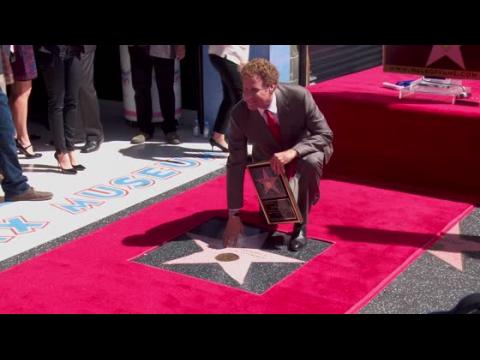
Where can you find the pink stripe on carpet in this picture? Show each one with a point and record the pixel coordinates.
(376, 234)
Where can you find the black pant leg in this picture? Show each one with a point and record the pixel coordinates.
(73, 71)
(141, 66)
(54, 76)
(164, 75)
(232, 90)
(89, 110)
(309, 173)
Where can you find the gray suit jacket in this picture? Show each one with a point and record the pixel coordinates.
(303, 128)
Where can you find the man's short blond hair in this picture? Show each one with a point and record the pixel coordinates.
(263, 69)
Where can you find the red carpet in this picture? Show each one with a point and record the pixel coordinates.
(376, 234)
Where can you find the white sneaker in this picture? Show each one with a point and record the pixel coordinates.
(206, 132)
(196, 130)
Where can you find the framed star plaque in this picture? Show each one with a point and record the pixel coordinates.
(275, 195)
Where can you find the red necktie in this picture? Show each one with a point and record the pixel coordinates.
(274, 126)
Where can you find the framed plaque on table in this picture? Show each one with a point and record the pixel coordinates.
(276, 198)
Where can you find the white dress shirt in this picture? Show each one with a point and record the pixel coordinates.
(163, 51)
(237, 54)
(272, 108)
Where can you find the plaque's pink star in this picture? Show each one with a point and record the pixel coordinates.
(451, 51)
(268, 182)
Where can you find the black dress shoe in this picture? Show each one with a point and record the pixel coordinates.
(299, 237)
(91, 146)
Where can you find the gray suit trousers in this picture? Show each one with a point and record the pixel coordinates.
(89, 111)
(305, 184)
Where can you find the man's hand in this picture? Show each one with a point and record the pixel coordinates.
(233, 229)
(279, 160)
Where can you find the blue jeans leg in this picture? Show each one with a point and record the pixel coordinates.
(14, 182)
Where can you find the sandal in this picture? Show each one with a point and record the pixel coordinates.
(24, 151)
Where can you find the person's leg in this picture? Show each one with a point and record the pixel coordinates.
(14, 182)
(218, 128)
(232, 93)
(18, 98)
(141, 66)
(310, 170)
(3, 85)
(306, 189)
(72, 87)
(55, 85)
(165, 76)
(73, 73)
(88, 110)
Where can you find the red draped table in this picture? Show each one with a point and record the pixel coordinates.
(420, 141)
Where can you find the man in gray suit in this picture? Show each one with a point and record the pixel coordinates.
(299, 148)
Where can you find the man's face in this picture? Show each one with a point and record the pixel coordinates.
(255, 95)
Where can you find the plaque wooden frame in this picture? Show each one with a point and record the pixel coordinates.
(279, 206)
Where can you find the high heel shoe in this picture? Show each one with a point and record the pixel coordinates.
(220, 146)
(71, 171)
(23, 150)
(79, 167)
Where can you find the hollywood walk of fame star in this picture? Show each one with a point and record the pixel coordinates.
(268, 182)
(451, 247)
(451, 51)
(234, 261)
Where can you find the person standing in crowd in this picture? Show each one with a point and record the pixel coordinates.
(14, 183)
(228, 61)
(88, 109)
(161, 58)
(61, 68)
(285, 127)
(24, 71)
